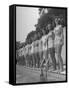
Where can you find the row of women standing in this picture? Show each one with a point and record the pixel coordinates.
(37, 53)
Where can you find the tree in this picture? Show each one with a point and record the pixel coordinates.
(30, 37)
(60, 12)
(51, 15)
(20, 45)
(17, 45)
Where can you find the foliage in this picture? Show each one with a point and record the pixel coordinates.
(43, 22)
(20, 45)
(50, 16)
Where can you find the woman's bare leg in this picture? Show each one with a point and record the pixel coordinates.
(59, 57)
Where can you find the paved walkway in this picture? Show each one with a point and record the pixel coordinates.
(31, 75)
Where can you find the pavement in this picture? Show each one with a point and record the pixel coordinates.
(32, 75)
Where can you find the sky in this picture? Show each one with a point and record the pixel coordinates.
(26, 18)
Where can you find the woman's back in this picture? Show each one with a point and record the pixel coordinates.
(58, 30)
